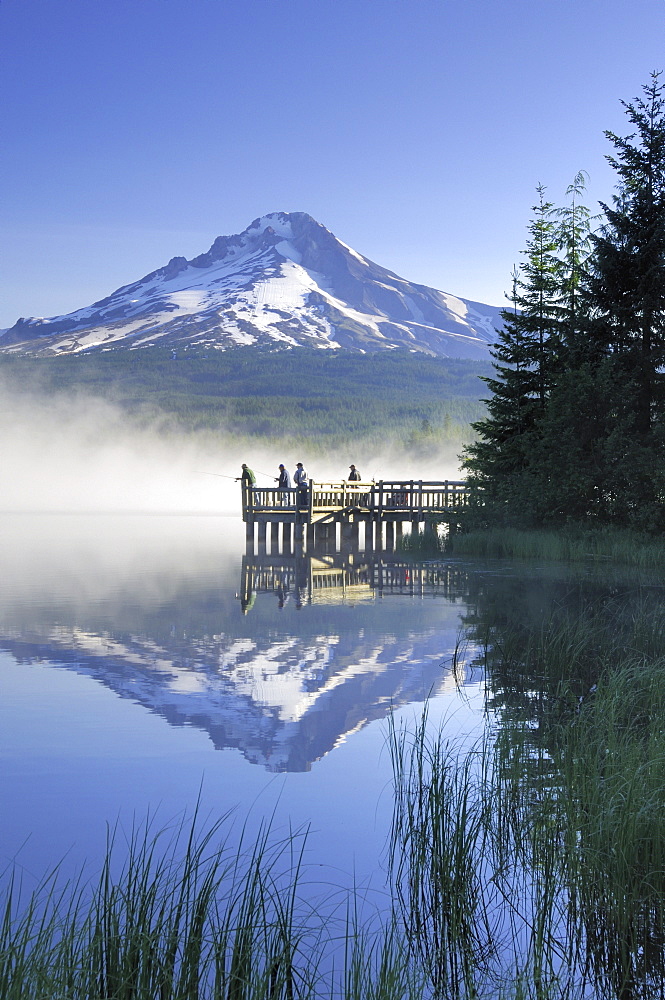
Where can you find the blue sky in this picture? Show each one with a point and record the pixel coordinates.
(416, 130)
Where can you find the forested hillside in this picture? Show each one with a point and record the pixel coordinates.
(324, 398)
(575, 430)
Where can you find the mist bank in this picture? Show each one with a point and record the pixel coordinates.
(81, 453)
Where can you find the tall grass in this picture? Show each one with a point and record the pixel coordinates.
(377, 966)
(171, 916)
(436, 857)
(477, 881)
(612, 762)
(598, 723)
(528, 865)
(182, 916)
(422, 543)
(611, 545)
(533, 864)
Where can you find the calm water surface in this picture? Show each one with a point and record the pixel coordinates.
(148, 664)
(149, 661)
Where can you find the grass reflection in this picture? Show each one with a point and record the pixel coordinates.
(533, 864)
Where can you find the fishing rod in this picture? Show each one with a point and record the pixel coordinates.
(200, 472)
(219, 475)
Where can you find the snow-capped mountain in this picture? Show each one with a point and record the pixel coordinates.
(285, 281)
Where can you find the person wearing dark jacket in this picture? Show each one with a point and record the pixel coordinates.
(354, 476)
(284, 483)
(301, 480)
(247, 478)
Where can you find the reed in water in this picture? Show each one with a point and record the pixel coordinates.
(528, 865)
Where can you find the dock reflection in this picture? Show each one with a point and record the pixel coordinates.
(346, 576)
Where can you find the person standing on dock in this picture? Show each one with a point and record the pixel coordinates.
(284, 483)
(300, 478)
(354, 476)
(247, 480)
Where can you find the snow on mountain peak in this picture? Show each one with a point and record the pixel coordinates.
(286, 279)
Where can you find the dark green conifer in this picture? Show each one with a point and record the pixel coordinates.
(576, 421)
(574, 241)
(526, 361)
(627, 277)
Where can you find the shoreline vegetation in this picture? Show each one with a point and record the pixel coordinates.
(575, 545)
(611, 545)
(529, 864)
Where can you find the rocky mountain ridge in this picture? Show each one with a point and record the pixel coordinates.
(285, 281)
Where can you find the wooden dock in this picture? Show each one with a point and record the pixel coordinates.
(326, 510)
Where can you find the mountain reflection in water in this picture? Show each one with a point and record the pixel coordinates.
(280, 657)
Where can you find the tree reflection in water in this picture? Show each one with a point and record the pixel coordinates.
(535, 861)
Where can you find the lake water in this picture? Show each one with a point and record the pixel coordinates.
(152, 668)
(149, 662)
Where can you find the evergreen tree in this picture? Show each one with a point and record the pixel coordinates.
(574, 240)
(627, 279)
(576, 420)
(526, 360)
(569, 455)
(626, 296)
(538, 315)
(501, 450)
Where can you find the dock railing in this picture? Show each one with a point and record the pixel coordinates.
(412, 498)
